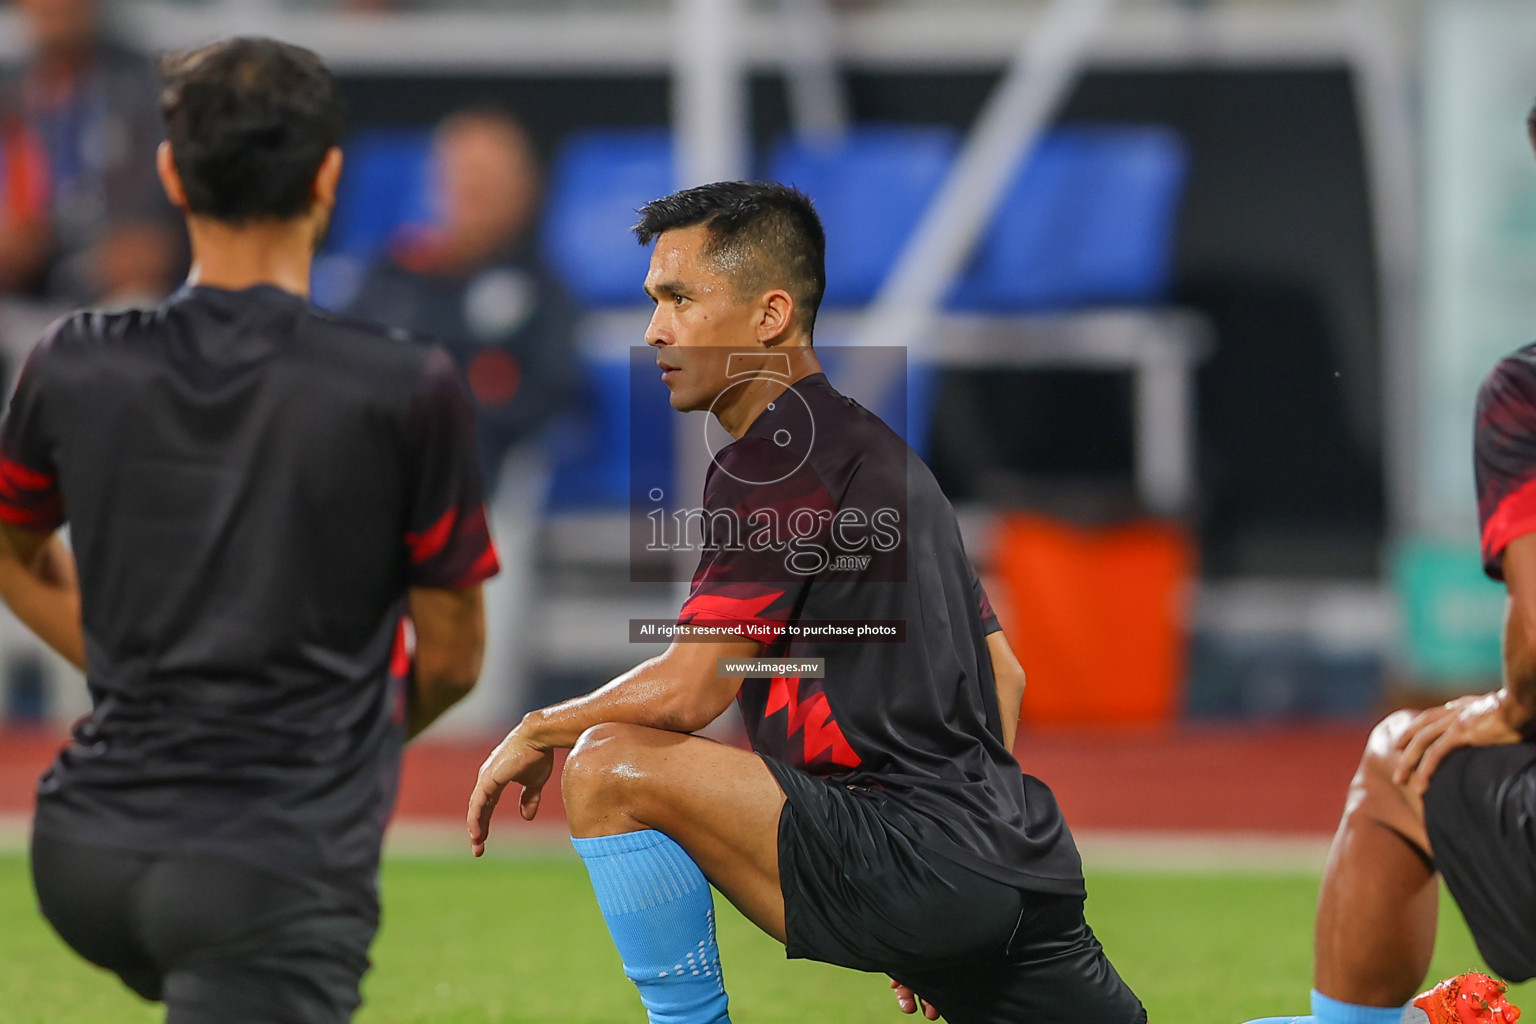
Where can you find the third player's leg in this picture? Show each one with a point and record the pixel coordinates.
(718, 803)
(1377, 911)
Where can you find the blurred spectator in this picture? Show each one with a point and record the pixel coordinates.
(82, 216)
(472, 280)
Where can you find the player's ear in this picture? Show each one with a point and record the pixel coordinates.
(776, 313)
(327, 178)
(170, 178)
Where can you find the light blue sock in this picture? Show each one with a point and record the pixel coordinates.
(661, 915)
(1331, 1011)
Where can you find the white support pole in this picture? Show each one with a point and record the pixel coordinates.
(1384, 97)
(818, 107)
(709, 92)
(1018, 111)
(1164, 411)
(710, 112)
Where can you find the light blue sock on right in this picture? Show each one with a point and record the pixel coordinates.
(1331, 1011)
(661, 915)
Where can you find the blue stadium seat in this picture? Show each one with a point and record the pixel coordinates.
(385, 184)
(1089, 220)
(626, 447)
(870, 191)
(597, 181)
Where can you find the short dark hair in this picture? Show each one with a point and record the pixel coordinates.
(249, 122)
(761, 236)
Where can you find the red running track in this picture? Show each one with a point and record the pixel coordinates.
(1196, 778)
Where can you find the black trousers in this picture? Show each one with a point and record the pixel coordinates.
(218, 942)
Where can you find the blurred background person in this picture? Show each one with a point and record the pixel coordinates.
(84, 219)
(472, 280)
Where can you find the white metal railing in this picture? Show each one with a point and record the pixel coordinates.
(631, 37)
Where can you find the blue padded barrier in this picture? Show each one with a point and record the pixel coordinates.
(383, 186)
(1089, 220)
(870, 191)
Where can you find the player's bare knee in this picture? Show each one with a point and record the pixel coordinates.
(1372, 791)
(602, 767)
(1380, 757)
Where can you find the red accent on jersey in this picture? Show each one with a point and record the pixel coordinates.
(823, 737)
(1515, 517)
(431, 541)
(400, 669)
(28, 498)
(486, 566)
(716, 609)
(16, 477)
(400, 653)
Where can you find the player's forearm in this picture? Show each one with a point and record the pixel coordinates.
(43, 593)
(1009, 677)
(428, 703)
(450, 649)
(1010, 700)
(1519, 696)
(652, 694)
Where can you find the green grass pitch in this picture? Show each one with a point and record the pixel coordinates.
(520, 940)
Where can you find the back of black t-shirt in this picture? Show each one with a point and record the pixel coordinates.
(251, 487)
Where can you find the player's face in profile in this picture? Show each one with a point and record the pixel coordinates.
(698, 319)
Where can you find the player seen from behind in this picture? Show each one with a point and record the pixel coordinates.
(257, 493)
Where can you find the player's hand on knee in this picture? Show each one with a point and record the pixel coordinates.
(909, 1001)
(515, 759)
(1481, 720)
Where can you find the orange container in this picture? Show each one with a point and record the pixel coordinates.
(1098, 617)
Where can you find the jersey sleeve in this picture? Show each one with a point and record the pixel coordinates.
(749, 581)
(1504, 445)
(448, 542)
(989, 623)
(29, 487)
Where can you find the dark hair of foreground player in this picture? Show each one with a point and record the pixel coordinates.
(763, 236)
(249, 122)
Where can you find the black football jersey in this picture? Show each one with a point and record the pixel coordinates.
(821, 521)
(1504, 443)
(251, 485)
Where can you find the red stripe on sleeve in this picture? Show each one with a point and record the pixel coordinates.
(45, 519)
(431, 541)
(29, 498)
(400, 652)
(723, 612)
(1515, 517)
(486, 566)
(14, 474)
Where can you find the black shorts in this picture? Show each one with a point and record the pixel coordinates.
(859, 894)
(218, 942)
(1480, 813)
